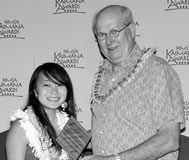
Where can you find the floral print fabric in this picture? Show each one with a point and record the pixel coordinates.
(135, 113)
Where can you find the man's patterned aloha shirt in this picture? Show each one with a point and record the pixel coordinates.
(135, 113)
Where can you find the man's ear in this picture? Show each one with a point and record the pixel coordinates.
(132, 28)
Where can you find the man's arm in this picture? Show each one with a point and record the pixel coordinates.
(165, 141)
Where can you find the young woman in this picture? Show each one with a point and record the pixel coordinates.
(34, 129)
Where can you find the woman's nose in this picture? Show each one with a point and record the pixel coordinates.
(54, 89)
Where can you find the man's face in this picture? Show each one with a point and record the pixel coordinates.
(115, 49)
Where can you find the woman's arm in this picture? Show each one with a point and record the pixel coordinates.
(16, 142)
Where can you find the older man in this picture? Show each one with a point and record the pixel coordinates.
(137, 102)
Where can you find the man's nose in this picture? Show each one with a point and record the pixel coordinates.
(109, 39)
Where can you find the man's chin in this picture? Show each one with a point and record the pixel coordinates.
(115, 61)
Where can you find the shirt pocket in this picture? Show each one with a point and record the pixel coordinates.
(133, 111)
(138, 116)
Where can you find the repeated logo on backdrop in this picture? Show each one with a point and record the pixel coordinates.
(177, 5)
(69, 58)
(69, 6)
(78, 109)
(186, 107)
(10, 87)
(178, 55)
(137, 25)
(11, 29)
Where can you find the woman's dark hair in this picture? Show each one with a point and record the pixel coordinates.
(56, 74)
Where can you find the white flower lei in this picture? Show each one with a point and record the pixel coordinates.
(97, 97)
(39, 140)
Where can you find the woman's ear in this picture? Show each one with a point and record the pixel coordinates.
(132, 28)
(35, 92)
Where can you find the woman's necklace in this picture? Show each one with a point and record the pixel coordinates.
(46, 142)
(39, 139)
(97, 97)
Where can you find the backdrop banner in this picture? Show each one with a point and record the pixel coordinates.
(34, 32)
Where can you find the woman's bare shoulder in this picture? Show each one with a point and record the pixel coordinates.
(16, 132)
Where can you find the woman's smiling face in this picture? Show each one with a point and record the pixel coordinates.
(50, 95)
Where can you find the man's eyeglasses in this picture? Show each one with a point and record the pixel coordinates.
(113, 33)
